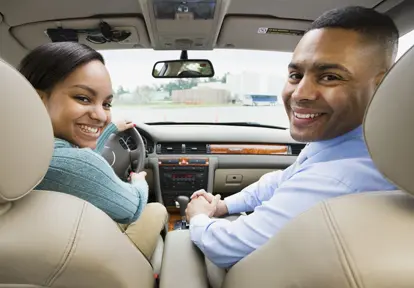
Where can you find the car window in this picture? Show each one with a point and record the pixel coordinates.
(246, 87)
(405, 42)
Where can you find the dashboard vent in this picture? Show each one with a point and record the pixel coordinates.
(297, 148)
(182, 148)
(170, 148)
(196, 148)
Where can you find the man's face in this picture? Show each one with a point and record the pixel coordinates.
(332, 76)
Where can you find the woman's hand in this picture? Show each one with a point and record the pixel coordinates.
(123, 125)
(137, 176)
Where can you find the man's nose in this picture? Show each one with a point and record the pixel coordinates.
(305, 90)
(98, 113)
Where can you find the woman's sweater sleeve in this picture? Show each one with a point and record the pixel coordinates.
(86, 175)
(108, 131)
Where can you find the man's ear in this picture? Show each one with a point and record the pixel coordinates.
(379, 78)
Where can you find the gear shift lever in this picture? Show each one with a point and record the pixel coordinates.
(182, 202)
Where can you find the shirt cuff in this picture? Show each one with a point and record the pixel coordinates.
(200, 220)
(198, 224)
(235, 203)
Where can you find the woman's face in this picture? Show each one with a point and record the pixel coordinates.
(80, 106)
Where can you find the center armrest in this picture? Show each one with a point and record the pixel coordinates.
(183, 263)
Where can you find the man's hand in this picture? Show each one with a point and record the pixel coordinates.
(221, 209)
(201, 206)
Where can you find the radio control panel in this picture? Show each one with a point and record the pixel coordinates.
(182, 176)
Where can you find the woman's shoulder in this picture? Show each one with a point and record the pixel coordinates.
(67, 152)
(60, 143)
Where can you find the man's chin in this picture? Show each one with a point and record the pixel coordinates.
(304, 135)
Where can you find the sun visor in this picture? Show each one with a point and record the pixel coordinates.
(261, 33)
(131, 32)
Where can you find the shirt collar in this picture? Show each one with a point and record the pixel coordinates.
(314, 148)
(60, 143)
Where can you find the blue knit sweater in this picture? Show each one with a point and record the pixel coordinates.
(84, 173)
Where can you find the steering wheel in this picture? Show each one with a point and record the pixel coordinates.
(120, 157)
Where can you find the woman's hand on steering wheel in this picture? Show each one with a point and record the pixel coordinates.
(137, 176)
(123, 125)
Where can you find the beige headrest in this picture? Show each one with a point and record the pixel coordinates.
(26, 140)
(389, 124)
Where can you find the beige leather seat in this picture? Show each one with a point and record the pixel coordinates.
(358, 241)
(49, 239)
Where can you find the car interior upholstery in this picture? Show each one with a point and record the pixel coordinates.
(361, 240)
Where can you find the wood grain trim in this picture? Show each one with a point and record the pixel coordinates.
(174, 217)
(249, 149)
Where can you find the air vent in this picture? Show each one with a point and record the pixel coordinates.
(170, 148)
(297, 148)
(196, 148)
(182, 148)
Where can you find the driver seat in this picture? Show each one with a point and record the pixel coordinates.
(51, 239)
(361, 240)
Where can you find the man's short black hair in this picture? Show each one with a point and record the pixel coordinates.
(372, 25)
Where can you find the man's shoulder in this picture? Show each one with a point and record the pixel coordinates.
(358, 173)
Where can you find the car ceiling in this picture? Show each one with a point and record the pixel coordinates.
(27, 11)
(24, 23)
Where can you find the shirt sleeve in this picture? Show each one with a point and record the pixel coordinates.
(254, 194)
(226, 242)
(86, 175)
(108, 131)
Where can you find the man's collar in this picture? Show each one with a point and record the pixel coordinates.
(314, 148)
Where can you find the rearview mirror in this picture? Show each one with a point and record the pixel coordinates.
(192, 68)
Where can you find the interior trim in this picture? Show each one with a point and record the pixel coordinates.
(249, 149)
(153, 164)
(229, 181)
(211, 171)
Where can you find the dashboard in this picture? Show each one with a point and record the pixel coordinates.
(181, 159)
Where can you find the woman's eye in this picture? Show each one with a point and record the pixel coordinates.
(82, 99)
(107, 105)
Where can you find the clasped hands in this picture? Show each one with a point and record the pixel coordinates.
(202, 202)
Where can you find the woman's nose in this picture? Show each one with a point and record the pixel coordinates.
(99, 113)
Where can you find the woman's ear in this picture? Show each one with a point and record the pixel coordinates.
(43, 96)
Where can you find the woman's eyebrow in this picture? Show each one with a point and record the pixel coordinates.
(84, 87)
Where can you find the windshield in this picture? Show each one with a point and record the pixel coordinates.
(246, 87)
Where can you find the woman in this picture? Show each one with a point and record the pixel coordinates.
(75, 87)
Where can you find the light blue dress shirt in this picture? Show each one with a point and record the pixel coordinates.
(323, 170)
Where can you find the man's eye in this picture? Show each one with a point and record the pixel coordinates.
(295, 76)
(330, 77)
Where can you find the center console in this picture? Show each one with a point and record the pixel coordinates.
(182, 177)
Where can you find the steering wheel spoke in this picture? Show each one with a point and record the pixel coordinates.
(120, 157)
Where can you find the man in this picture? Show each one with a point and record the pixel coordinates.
(334, 72)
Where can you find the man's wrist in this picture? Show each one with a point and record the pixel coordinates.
(221, 209)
